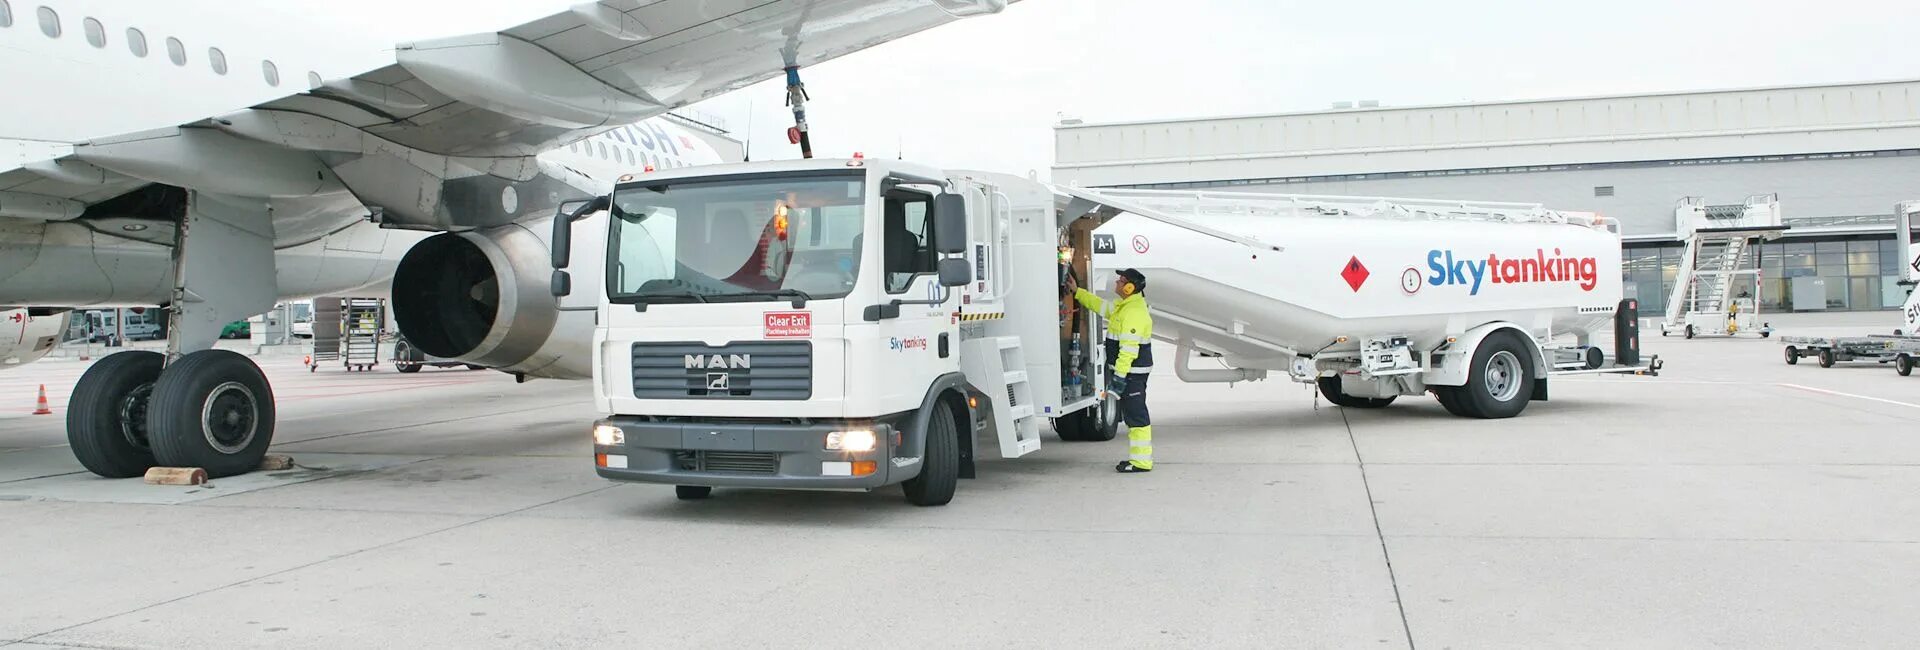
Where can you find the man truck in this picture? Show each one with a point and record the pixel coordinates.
(855, 324)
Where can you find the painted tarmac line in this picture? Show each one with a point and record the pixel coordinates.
(1840, 394)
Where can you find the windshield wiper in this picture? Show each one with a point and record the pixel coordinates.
(801, 297)
(641, 299)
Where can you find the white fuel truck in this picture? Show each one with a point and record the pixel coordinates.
(853, 324)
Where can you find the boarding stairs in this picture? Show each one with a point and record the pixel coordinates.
(1718, 259)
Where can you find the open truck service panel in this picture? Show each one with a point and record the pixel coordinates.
(853, 324)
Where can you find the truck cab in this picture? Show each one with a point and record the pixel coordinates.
(828, 324)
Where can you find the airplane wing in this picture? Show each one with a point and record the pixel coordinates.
(475, 109)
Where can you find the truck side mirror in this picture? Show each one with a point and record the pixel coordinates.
(949, 224)
(563, 218)
(955, 272)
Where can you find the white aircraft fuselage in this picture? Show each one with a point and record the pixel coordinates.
(126, 53)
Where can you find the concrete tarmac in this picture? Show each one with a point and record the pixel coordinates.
(1734, 501)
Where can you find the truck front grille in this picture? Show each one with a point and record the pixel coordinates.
(739, 462)
(743, 370)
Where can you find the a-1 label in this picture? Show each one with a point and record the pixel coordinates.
(1103, 245)
(789, 325)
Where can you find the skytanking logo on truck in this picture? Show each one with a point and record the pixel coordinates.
(1473, 272)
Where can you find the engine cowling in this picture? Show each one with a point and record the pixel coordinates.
(483, 297)
(27, 335)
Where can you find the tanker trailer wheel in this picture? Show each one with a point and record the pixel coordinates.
(1330, 387)
(1793, 355)
(1501, 379)
(1449, 398)
(1903, 364)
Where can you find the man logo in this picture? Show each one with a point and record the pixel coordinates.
(718, 362)
(719, 381)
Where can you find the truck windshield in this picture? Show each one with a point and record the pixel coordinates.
(771, 238)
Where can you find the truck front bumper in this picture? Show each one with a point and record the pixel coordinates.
(749, 455)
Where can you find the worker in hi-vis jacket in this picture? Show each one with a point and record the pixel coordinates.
(1129, 348)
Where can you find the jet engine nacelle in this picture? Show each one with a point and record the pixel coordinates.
(27, 335)
(483, 297)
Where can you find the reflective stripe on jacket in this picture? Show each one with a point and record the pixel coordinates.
(1129, 341)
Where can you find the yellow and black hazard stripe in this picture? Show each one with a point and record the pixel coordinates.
(997, 315)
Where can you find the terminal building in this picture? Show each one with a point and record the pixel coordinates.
(1836, 157)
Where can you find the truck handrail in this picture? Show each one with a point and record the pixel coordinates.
(1001, 283)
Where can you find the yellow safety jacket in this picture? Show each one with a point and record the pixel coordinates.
(1129, 341)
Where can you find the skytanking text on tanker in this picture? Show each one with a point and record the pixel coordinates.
(1540, 268)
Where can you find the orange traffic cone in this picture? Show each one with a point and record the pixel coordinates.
(41, 408)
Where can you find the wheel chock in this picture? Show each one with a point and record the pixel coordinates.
(176, 476)
(276, 462)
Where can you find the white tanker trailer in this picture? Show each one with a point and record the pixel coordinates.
(851, 324)
(1373, 298)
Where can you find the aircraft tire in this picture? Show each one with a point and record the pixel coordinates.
(212, 409)
(106, 416)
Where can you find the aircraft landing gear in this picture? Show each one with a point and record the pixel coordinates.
(195, 406)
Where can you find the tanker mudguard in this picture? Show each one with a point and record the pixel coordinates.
(915, 425)
(1457, 357)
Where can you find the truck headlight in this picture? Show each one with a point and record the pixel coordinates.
(609, 435)
(856, 440)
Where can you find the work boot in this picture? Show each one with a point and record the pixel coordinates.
(1127, 467)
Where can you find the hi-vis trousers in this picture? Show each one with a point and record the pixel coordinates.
(1133, 411)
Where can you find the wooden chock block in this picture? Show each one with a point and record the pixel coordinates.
(276, 462)
(176, 476)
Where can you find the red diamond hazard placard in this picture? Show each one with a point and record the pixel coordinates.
(1355, 274)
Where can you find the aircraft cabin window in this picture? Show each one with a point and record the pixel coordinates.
(176, 51)
(602, 146)
(271, 73)
(6, 14)
(96, 33)
(137, 42)
(218, 59)
(49, 22)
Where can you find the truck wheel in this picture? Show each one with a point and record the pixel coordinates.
(1689, 331)
(107, 415)
(940, 467)
(1595, 358)
(1092, 424)
(1330, 387)
(1500, 381)
(1826, 358)
(1793, 355)
(692, 492)
(212, 409)
(1903, 364)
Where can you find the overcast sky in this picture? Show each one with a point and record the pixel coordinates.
(984, 93)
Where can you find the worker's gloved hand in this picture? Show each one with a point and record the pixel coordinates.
(1118, 386)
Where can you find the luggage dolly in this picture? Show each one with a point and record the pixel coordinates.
(1899, 350)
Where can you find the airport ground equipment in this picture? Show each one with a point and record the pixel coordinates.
(409, 358)
(1901, 349)
(360, 332)
(326, 332)
(347, 330)
(853, 324)
(1716, 292)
